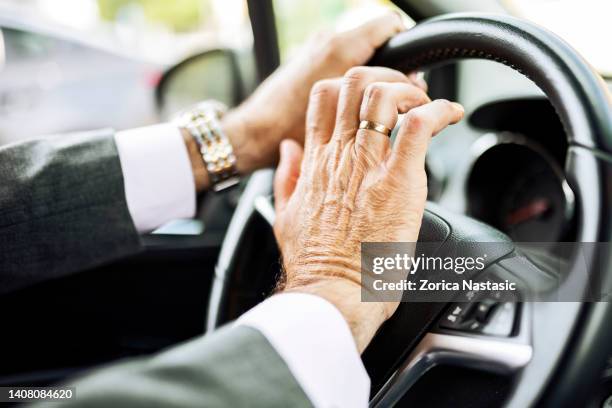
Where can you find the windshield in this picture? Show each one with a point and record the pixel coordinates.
(585, 24)
(157, 31)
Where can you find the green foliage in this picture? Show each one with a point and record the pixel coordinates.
(179, 15)
(296, 20)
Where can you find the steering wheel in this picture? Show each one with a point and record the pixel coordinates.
(554, 351)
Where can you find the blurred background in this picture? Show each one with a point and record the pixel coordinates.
(82, 64)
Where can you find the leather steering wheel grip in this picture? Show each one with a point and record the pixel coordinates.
(577, 92)
(584, 106)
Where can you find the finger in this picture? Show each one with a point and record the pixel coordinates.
(419, 125)
(354, 83)
(382, 102)
(417, 79)
(378, 30)
(321, 114)
(287, 173)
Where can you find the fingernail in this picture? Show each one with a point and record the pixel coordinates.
(421, 80)
(458, 106)
(418, 79)
(284, 148)
(400, 18)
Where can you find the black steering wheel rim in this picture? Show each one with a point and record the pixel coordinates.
(583, 105)
(576, 91)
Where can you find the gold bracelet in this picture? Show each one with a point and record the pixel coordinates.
(203, 124)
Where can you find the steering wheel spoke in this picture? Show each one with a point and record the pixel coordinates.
(488, 331)
(264, 205)
(458, 349)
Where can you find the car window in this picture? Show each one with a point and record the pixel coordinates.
(175, 29)
(84, 64)
(584, 24)
(296, 21)
(156, 31)
(19, 45)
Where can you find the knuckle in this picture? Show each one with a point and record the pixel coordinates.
(422, 96)
(333, 42)
(374, 92)
(355, 76)
(445, 104)
(322, 89)
(313, 127)
(330, 45)
(416, 120)
(417, 98)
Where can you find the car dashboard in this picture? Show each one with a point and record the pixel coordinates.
(504, 163)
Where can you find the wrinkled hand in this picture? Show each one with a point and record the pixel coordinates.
(277, 108)
(353, 187)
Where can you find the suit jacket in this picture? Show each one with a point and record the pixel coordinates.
(63, 210)
(233, 367)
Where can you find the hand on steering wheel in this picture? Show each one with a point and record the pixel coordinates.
(353, 187)
(554, 350)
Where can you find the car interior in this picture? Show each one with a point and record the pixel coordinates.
(531, 163)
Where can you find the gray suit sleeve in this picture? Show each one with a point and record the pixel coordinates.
(62, 208)
(233, 367)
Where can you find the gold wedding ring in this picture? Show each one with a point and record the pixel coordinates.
(377, 127)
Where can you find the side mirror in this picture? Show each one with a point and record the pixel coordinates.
(213, 74)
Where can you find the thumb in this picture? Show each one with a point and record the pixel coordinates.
(287, 172)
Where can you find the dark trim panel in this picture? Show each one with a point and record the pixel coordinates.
(265, 37)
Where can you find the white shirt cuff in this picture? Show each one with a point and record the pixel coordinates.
(315, 341)
(158, 179)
